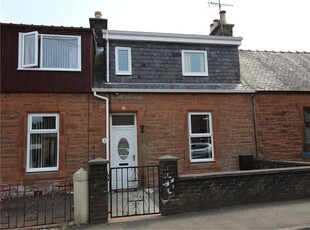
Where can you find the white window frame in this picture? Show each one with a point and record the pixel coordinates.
(187, 73)
(42, 131)
(121, 72)
(212, 159)
(38, 54)
(22, 48)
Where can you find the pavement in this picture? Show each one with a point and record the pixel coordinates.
(288, 215)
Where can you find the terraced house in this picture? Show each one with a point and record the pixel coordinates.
(69, 95)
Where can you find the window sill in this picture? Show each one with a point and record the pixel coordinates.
(49, 70)
(123, 74)
(202, 162)
(195, 75)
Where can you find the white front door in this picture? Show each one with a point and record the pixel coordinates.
(123, 151)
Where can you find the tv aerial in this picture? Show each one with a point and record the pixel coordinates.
(219, 4)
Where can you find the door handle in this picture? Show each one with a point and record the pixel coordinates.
(134, 157)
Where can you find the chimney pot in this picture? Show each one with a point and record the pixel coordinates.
(98, 14)
(223, 17)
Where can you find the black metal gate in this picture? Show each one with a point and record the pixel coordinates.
(134, 191)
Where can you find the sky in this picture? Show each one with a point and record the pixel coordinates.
(273, 25)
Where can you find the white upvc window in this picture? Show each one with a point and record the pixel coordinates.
(194, 63)
(49, 52)
(43, 142)
(122, 61)
(200, 137)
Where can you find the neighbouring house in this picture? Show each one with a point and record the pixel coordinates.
(132, 97)
(281, 81)
(46, 102)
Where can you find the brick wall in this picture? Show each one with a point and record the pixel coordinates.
(165, 120)
(280, 125)
(98, 191)
(82, 125)
(212, 190)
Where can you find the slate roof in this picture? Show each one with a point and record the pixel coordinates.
(275, 71)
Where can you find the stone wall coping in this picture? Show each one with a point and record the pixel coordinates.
(168, 158)
(98, 161)
(302, 163)
(246, 173)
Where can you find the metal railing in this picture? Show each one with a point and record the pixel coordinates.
(36, 204)
(134, 191)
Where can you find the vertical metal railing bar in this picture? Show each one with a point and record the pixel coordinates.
(127, 193)
(9, 209)
(148, 190)
(16, 202)
(53, 205)
(111, 192)
(116, 192)
(158, 178)
(142, 186)
(25, 188)
(70, 208)
(65, 200)
(45, 206)
(37, 196)
(122, 191)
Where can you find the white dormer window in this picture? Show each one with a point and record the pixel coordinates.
(194, 63)
(49, 52)
(122, 61)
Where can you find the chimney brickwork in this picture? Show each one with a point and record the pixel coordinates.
(220, 27)
(98, 24)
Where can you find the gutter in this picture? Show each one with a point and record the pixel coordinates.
(170, 37)
(145, 90)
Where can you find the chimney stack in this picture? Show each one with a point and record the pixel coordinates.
(220, 27)
(98, 24)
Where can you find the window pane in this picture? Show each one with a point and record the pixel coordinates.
(43, 150)
(200, 123)
(123, 120)
(307, 135)
(194, 62)
(201, 147)
(60, 52)
(39, 122)
(123, 60)
(29, 49)
(307, 115)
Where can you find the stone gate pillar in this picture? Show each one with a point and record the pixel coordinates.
(168, 182)
(98, 191)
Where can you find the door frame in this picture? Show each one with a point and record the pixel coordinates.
(135, 135)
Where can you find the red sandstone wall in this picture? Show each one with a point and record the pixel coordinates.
(76, 144)
(280, 125)
(164, 116)
(82, 126)
(165, 120)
